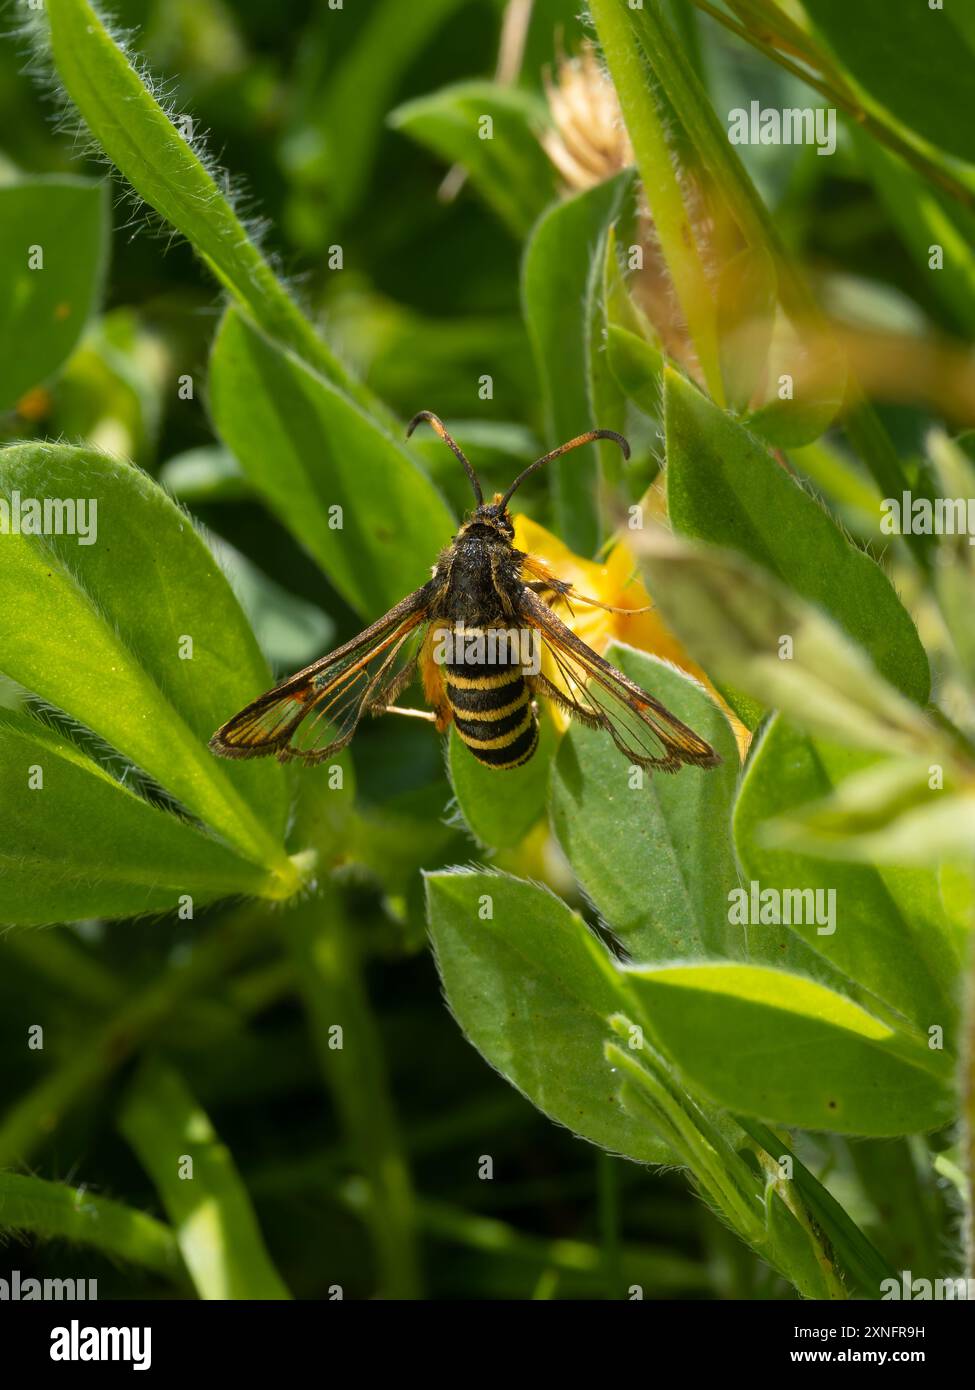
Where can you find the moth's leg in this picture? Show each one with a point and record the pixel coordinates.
(411, 713)
(546, 583)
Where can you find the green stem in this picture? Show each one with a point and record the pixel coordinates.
(645, 124)
(36, 1116)
(30, 1205)
(860, 1258)
(197, 1180)
(846, 101)
(693, 108)
(657, 1271)
(72, 970)
(351, 1056)
(728, 1182)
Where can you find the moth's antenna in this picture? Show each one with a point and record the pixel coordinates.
(441, 429)
(564, 449)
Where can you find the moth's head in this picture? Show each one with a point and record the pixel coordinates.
(494, 517)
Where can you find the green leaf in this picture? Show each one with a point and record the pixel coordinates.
(751, 634)
(655, 859)
(891, 934)
(605, 292)
(561, 290)
(798, 1253)
(98, 624)
(148, 147)
(888, 813)
(53, 1210)
(499, 808)
(910, 58)
(532, 989)
(649, 122)
(309, 450)
(81, 845)
(638, 368)
(924, 835)
(854, 498)
(746, 313)
(790, 424)
(413, 358)
(208, 1205)
(509, 167)
(723, 487)
(790, 1051)
(44, 309)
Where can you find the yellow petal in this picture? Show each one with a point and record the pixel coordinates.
(616, 582)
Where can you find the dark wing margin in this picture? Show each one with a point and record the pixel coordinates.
(314, 713)
(643, 729)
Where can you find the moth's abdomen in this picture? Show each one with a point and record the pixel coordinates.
(492, 709)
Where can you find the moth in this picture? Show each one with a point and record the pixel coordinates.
(488, 644)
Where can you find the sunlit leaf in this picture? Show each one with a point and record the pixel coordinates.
(790, 1051)
(129, 627)
(724, 487)
(653, 852)
(533, 989)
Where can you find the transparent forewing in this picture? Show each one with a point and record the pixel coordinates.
(315, 712)
(366, 686)
(594, 691)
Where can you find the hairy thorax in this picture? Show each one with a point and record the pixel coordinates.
(478, 579)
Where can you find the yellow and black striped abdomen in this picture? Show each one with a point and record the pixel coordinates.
(492, 709)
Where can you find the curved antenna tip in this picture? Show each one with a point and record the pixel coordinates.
(617, 438)
(588, 438)
(441, 429)
(418, 419)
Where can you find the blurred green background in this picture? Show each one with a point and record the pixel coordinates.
(295, 100)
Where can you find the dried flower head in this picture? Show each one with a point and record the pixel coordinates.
(589, 142)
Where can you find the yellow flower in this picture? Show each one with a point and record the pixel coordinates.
(615, 582)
